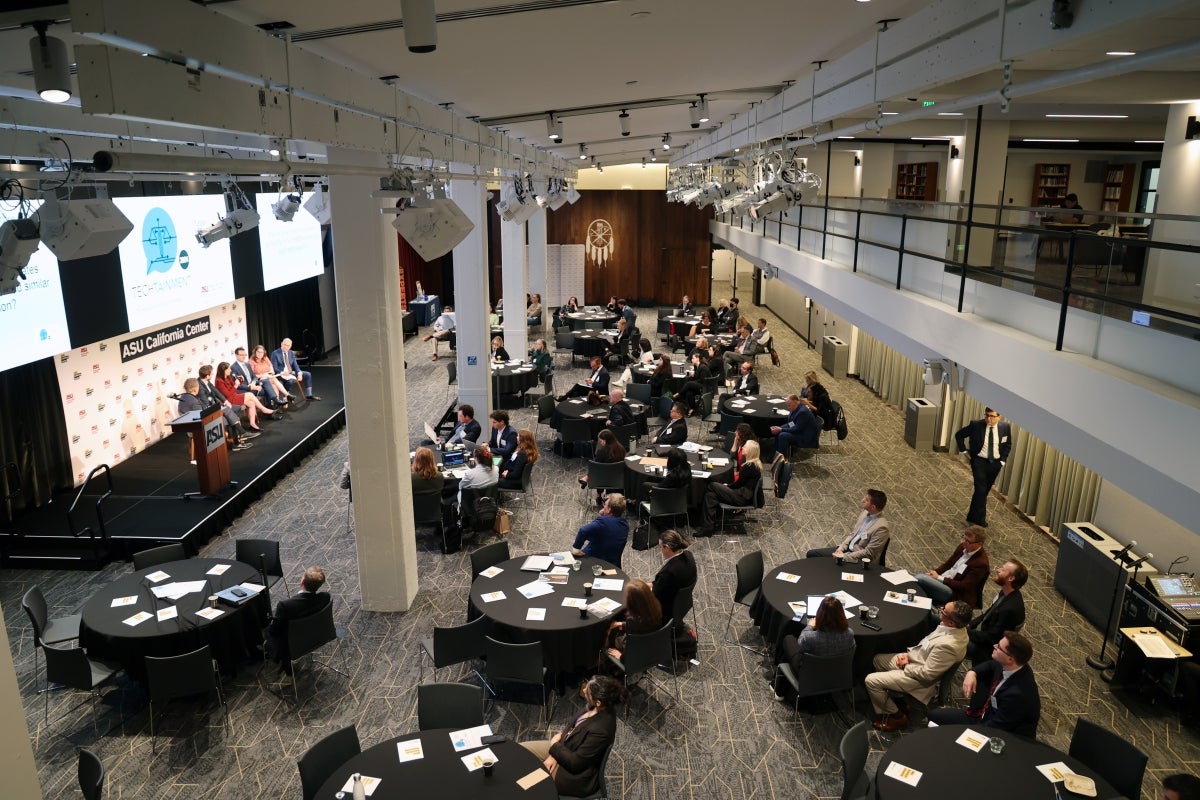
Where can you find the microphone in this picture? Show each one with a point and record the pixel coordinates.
(1119, 555)
(1141, 560)
(262, 568)
(173, 396)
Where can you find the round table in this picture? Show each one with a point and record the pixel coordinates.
(761, 412)
(440, 772)
(578, 408)
(950, 769)
(578, 319)
(679, 376)
(902, 626)
(513, 377)
(569, 644)
(682, 325)
(233, 636)
(590, 343)
(636, 472)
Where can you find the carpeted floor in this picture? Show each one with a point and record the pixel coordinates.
(724, 738)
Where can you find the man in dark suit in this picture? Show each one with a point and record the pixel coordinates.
(674, 432)
(287, 369)
(685, 306)
(1006, 613)
(746, 382)
(619, 412)
(307, 601)
(986, 442)
(605, 536)
(1003, 691)
(503, 440)
(596, 382)
(209, 396)
(190, 399)
(677, 572)
(468, 429)
(801, 428)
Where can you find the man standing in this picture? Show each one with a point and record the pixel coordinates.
(1006, 613)
(619, 412)
(287, 369)
(800, 430)
(503, 440)
(468, 429)
(746, 383)
(917, 671)
(1003, 693)
(596, 382)
(606, 535)
(307, 601)
(674, 432)
(241, 369)
(868, 537)
(962, 575)
(986, 442)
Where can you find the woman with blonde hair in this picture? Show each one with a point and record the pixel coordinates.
(741, 491)
(521, 459)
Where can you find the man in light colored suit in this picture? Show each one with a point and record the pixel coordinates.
(869, 535)
(917, 671)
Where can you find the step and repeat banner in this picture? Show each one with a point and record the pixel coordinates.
(115, 392)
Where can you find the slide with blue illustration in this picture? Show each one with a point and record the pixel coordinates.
(33, 320)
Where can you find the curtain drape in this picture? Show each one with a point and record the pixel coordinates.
(33, 433)
(886, 372)
(292, 311)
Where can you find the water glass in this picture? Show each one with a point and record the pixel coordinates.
(596, 570)
(996, 744)
(576, 565)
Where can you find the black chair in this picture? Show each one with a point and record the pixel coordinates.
(883, 559)
(324, 758)
(159, 555)
(181, 676)
(449, 705)
(545, 407)
(639, 392)
(604, 476)
(601, 792)
(626, 434)
(1114, 759)
(71, 667)
(643, 652)
(856, 781)
(576, 432)
(263, 555)
(308, 634)
(749, 580)
(451, 374)
(564, 342)
(666, 503)
(820, 675)
(471, 520)
(427, 510)
(684, 602)
(455, 645)
(758, 502)
(516, 663)
(49, 631)
(91, 775)
(487, 556)
(526, 490)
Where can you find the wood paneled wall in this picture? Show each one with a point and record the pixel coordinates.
(661, 250)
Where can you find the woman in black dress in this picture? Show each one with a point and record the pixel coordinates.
(526, 455)
(740, 491)
(689, 395)
(662, 373)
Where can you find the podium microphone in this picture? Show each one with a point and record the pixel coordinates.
(1120, 555)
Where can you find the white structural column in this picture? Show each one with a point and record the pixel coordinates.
(16, 749)
(512, 279)
(368, 295)
(535, 230)
(471, 298)
(988, 178)
(1172, 280)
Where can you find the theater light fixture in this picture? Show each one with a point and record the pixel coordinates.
(240, 219)
(582, 151)
(432, 225)
(75, 229)
(623, 118)
(420, 25)
(317, 205)
(51, 66)
(554, 125)
(666, 141)
(286, 207)
(704, 117)
(517, 203)
(18, 241)
(694, 113)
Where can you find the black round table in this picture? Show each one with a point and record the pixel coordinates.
(569, 643)
(440, 772)
(679, 375)
(513, 378)
(234, 636)
(578, 319)
(902, 626)
(757, 410)
(577, 408)
(676, 324)
(590, 343)
(950, 769)
(636, 473)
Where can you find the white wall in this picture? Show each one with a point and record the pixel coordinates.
(1127, 519)
(624, 176)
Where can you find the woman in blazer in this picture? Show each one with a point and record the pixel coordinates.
(227, 385)
(574, 756)
(525, 455)
(425, 476)
(741, 491)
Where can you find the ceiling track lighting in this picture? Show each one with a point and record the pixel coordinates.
(599, 168)
(623, 118)
(420, 25)
(653, 155)
(582, 151)
(51, 65)
(666, 141)
(554, 126)
(694, 114)
(704, 116)
(643, 162)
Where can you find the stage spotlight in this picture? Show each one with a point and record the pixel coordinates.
(582, 151)
(666, 141)
(234, 223)
(420, 25)
(694, 113)
(51, 66)
(18, 240)
(81, 228)
(516, 203)
(554, 126)
(623, 117)
(433, 227)
(704, 117)
(286, 207)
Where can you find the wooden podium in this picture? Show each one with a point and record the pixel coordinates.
(208, 438)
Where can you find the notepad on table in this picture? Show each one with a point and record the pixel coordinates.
(474, 761)
(575, 602)
(219, 569)
(535, 589)
(170, 612)
(898, 576)
(491, 597)
(799, 608)
(469, 738)
(138, 618)
(209, 613)
(1055, 772)
(123, 601)
(789, 577)
(369, 785)
(155, 577)
(903, 774)
(533, 778)
(537, 563)
(604, 607)
(853, 577)
(972, 740)
(608, 584)
(410, 750)
(535, 615)
(491, 572)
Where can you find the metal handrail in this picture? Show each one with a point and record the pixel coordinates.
(99, 502)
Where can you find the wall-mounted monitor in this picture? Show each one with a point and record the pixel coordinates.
(166, 273)
(33, 321)
(291, 251)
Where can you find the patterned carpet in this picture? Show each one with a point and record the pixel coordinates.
(724, 738)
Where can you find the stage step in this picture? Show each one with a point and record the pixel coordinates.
(51, 552)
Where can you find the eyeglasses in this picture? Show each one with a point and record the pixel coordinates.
(997, 646)
(992, 416)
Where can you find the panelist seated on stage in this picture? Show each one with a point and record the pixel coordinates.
(210, 396)
(605, 536)
(309, 600)
(1003, 692)
(260, 365)
(1006, 611)
(867, 538)
(287, 369)
(249, 383)
(674, 432)
(596, 381)
(227, 384)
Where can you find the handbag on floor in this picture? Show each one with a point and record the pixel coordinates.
(503, 523)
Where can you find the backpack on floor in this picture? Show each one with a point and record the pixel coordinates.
(775, 360)
(641, 537)
(783, 479)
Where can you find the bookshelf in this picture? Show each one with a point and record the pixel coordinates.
(917, 181)
(1050, 184)
(1118, 188)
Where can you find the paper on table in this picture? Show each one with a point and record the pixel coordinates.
(633, 458)
(789, 577)
(575, 602)
(900, 598)
(174, 591)
(369, 785)
(410, 750)
(783, 412)
(475, 760)
(777, 400)
(535, 589)
(1153, 646)
(972, 740)
(535, 615)
(469, 738)
(904, 774)
(559, 571)
(170, 612)
(848, 600)
(491, 597)
(209, 613)
(138, 618)
(564, 558)
(853, 577)
(898, 576)
(701, 473)
(555, 578)
(690, 447)
(533, 778)
(537, 563)
(799, 608)
(253, 588)
(123, 601)
(155, 577)
(219, 569)
(604, 607)
(718, 462)
(575, 402)
(491, 572)
(608, 584)
(1055, 772)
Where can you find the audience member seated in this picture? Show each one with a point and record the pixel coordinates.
(543, 361)
(679, 474)
(674, 432)
(468, 431)
(962, 575)
(742, 434)
(246, 382)
(493, 317)
(264, 371)
(498, 353)
(503, 439)
(287, 369)
(561, 320)
(689, 394)
(827, 634)
(613, 306)
(642, 613)
(608, 451)
(574, 756)
(620, 413)
(1006, 612)
(706, 325)
(722, 312)
(817, 398)
(526, 455)
(309, 600)
(480, 476)
(677, 572)
(533, 313)
(917, 671)
(426, 479)
(741, 489)
(732, 316)
(663, 372)
(802, 429)
(443, 326)
(868, 537)
(605, 536)
(628, 314)
(210, 396)
(645, 356)
(743, 350)
(597, 381)
(227, 385)
(746, 383)
(615, 342)
(1003, 692)
(685, 307)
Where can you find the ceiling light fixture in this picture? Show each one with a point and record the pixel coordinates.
(420, 25)
(643, 162)
(666, 141)
(599, 168)
(694, 113)
(582, 150)
(623, 118)
(554, 127)
(950, 113)
(653, 155)
(1148, 141)
(51, 66)
(1120, 53)
(704, 117)
(1062, 141)
(1087, 116)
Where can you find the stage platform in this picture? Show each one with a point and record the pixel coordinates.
(147, 507)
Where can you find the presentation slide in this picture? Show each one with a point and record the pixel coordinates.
(291, 251)
(33, 321)
(167, 274)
